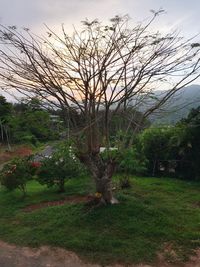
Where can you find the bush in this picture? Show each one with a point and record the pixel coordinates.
(162, 148)
(62, 165)
(16, 174)
(132, 162)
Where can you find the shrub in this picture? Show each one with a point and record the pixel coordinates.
(132, 162)
(162, 146)
(62, 165)
(16, 174)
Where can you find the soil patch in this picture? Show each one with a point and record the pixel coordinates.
(21, 151)
(15, 256)
(69, 199)
(169, 258)
(196, 204)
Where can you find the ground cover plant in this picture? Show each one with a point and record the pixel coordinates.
(153, 214)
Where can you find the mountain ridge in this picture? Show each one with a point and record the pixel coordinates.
(178, 106)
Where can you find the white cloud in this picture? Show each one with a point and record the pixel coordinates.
(180, 13)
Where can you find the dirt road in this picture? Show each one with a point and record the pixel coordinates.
(14, 256)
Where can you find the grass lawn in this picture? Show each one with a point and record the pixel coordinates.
(154, 214)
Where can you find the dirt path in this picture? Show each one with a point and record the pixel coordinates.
(13, 256)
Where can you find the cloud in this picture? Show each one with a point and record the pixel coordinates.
(180, 13)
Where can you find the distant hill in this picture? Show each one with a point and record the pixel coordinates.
(178, 106)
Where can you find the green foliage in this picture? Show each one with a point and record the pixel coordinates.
(132, 161)
(34, 104)
(61, 166)
(27, 122)
(160, 145)
(174, 151)
(27, 138)
(32, 126)
(5, 109)
(154, 142)
(128, 161)
(190, 145)
(5, 113)
(111, 154)
(16, 174)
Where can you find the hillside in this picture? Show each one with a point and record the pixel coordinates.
(179, 106)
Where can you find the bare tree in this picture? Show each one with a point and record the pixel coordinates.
(101, 68)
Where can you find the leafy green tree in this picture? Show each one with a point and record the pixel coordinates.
(132, 162)
(190, 145)
(32, 126)
(16, 174)
(5, 113)
(34, 104)
(5, 109)
(177, 146)
(60, 167)
(155, 144)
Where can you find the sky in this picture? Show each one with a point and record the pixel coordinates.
(181, 14)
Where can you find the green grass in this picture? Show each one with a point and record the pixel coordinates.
(152, 214)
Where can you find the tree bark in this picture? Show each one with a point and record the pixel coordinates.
(62, 186)
(102, 173)
(104, 188)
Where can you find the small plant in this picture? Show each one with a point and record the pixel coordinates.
(125, 182)
(16, 174)
(61, 166)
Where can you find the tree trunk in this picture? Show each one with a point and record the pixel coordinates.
(102, 173)
(154, 167)
(23, 189)
(61, 186)
(104, 189)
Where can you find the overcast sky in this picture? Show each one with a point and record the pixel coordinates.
(181, 14)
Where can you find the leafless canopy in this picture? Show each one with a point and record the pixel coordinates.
(103, 67)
